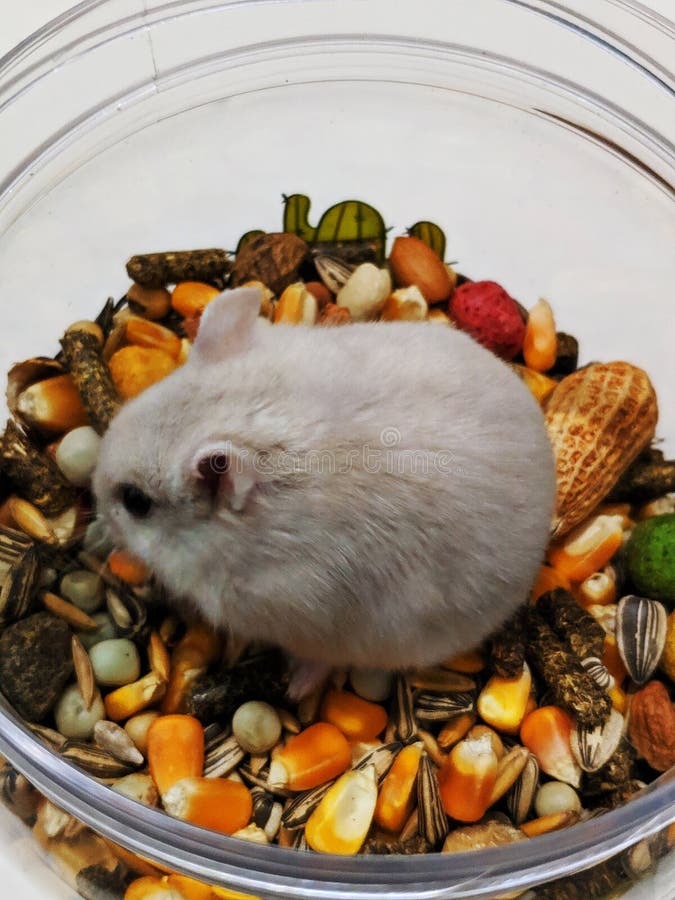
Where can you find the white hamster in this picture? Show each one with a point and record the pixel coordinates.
(374, 495)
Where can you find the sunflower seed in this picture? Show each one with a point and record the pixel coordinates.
(520, 798)
(640, 635)
(598, 672)
(19, 573)
(128, 612)
(300, 808)
(403, 716)
(54, 739)
(432, 747)
(593, 747)
(288, 721)
(510, 768)
(113, 738)
(261, 781)
(94, 760)
(222, 756)
(433, 707)
(433, 822)
(381, 758)
(333, 272)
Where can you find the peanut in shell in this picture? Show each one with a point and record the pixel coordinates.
(598, 420)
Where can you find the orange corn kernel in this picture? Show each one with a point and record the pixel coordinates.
(357, 719)
(135, 368)
(128, 568)
(397, 794)
(552, 822)
(149, 334)
(316, 755)
(540, 386)
(468, 663)
(546, 733)
(467, 779)
(454, 730)
(130, 699)
(548, 579)
(175, 750)
(296, 306)
(617, 509)
(216, 803)
(52, 405)
(611, 660)
(342, 820)
(588, 547)
(599, 588)
(503, 701)
(194, 653)
(189, 887)
(619, 699)
(152, 888)
(190, 298)
(540, 344)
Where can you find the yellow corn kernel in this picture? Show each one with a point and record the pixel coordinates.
(130, 699)
(316, 755)
(611, 660)
(149, 334)
(158, 657)
(619, 699)
(296, 306)
(439, 317)
(454, 730)
(194, 653)
(479, 731)
(548, 579)
(540, 386)
(468, 778)
(468, 663)
(189, 887)
(397, 793)
(503, 701)
(599, 588)
(52, 405)
(357, 719)
(406, 304)
(342, 820)
(552, 822)
(175, 750)
(135, 368)
(216, 803)
(128, 568)
(546, 733)
(540, 344)
(151, 888)
(588, 547)
(190, 298)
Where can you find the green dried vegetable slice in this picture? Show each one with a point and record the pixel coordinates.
(350, 220)
(249, 236)
(431, 234)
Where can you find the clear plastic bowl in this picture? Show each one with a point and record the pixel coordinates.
(540, 136)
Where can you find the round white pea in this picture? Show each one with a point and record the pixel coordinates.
(256, 726)
(77, 453)
(115, 662)
(72, 719)
(105, 630)
(84, 589)
(371, 684)
(556, 797)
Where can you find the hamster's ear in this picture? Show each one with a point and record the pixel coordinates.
(227, 473)
(227, 324)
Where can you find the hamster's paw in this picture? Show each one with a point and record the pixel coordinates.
(306, 676)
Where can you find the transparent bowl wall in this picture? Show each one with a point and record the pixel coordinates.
(540, 137)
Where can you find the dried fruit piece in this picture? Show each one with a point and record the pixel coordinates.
(490, 315)
(274, 259)
(432, 235)
(413, 262)
(651, 726)
(598, 421)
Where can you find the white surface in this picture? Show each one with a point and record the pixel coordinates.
(22, 872)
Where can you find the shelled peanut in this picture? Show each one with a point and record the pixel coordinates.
(533, 724)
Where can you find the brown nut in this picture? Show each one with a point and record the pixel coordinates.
(651, 726)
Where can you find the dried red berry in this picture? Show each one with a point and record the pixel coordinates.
(490, 315)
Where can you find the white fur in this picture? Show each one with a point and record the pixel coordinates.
(356, 567)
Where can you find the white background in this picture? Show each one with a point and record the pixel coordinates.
(22, 874)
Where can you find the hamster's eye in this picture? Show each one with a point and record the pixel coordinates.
(135, 501)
